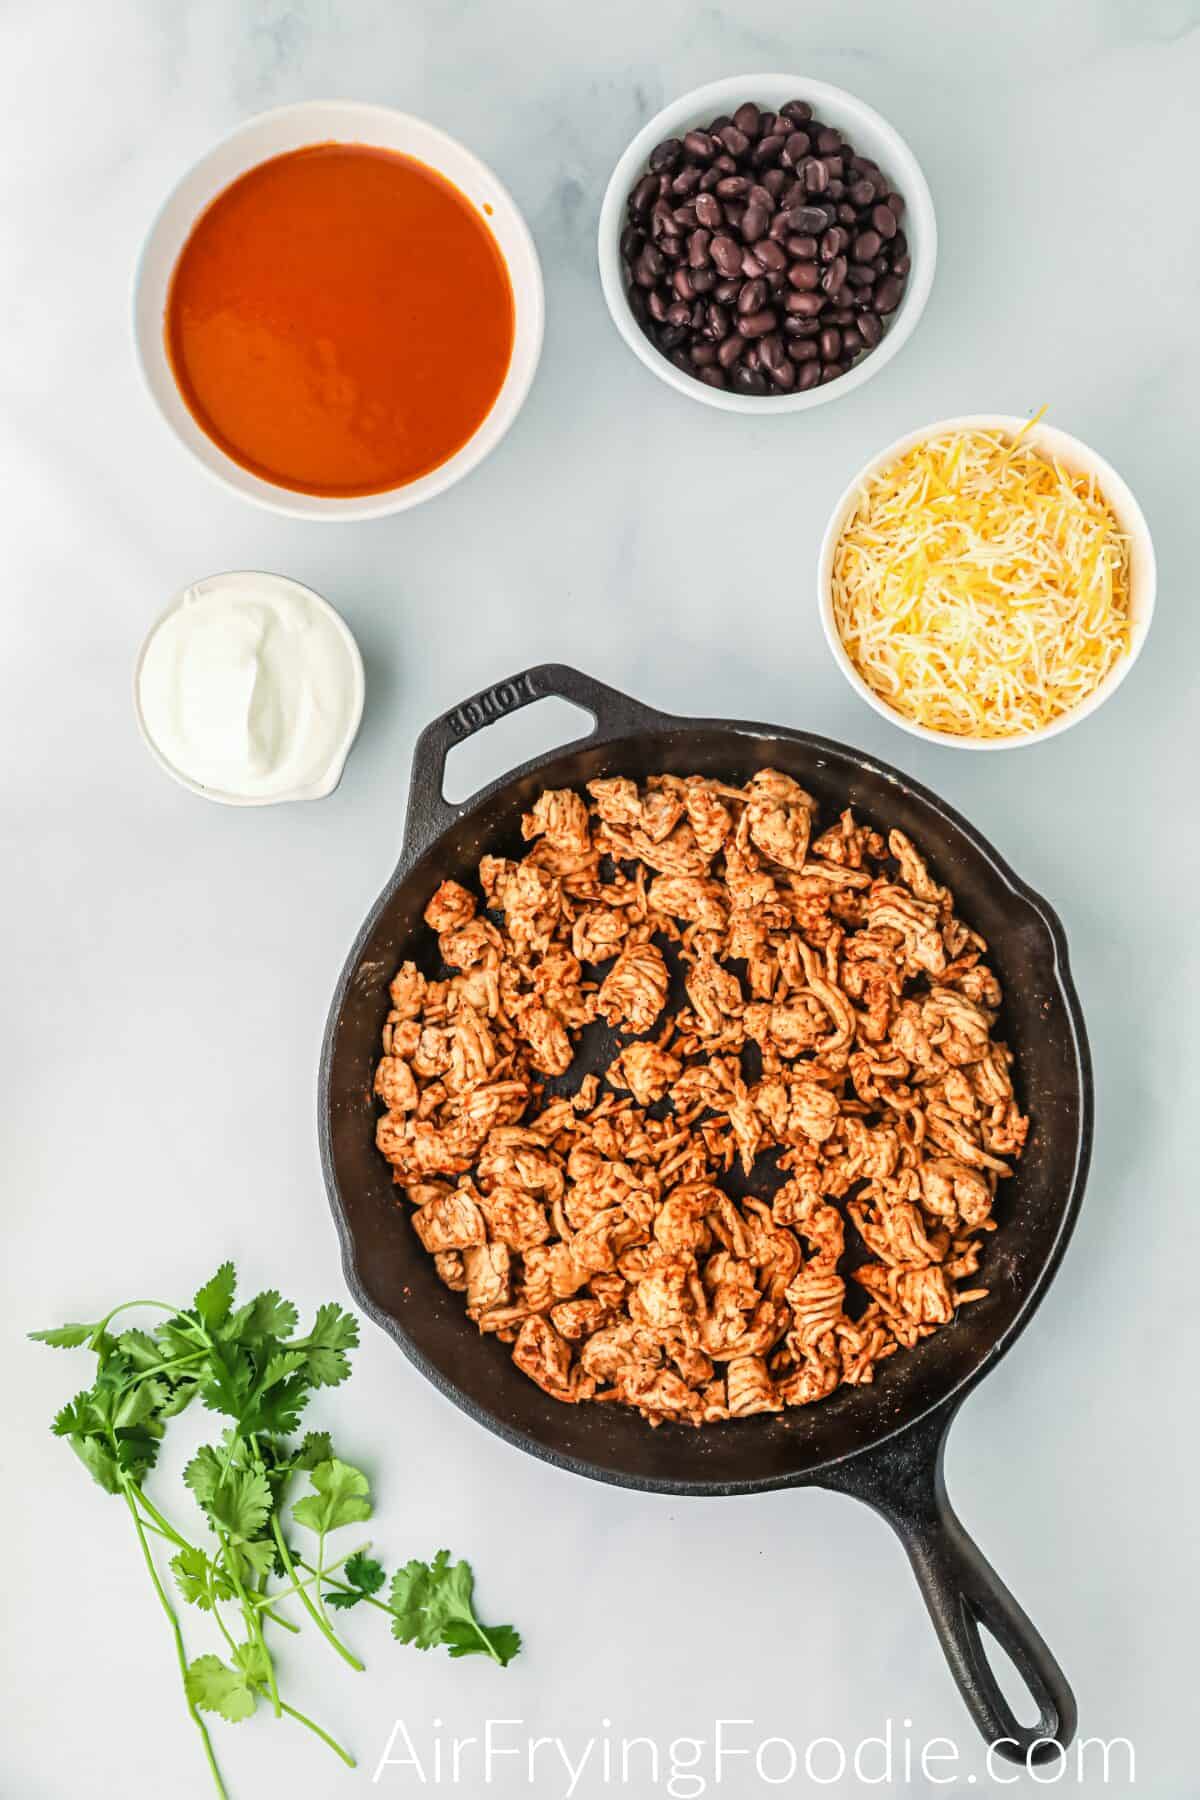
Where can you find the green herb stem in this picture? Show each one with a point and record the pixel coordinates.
(180, 1653)
(326, 1631)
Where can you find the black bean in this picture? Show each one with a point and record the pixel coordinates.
(795, 149)
(709, 179)
(830, 344)
(757, 324)
(709, 211)
(716, 321)
(807, 305)
(833, 243)
(679, 313)
(834, 277)
(703, 280)
(846, 215)
(719, 124)
(753, 297)
(734, 213)
(901, 265)
(649, 266)
(666, 155)
(643, 196)
(808, 375)
(631, 242)
(867, 245)
(771, 353)
(698, 315)
(730, 350)
(687, 182)
(836, 167)
(766, 153)
(895, 204)
(807, 219)
(736, 142)
(838, 315)
(656, 306)
(671, 336)
(799, 110)
(699, 145)
(773, 181)
(884, 221)
(727, 254)
(755, 220)
(681, 281)
(770, 255)
(778, 229)
(698, 248)
(887, 294)
(752, 268)
(784, 376)
(898, 246)
(749, 381)
(727, 291)
(733, 187)
(852, 341)
(713, 378)
(816, 176)
(862, 193)
(802, 350)
(804, 276)
(685, 216)
(803, 247)
(748, 119)
(870, 329)
(703, 355)
(830, 371)
(796, 327)
(860, 274)
(724, 164)
(768, 122)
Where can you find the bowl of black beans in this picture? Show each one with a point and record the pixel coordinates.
(767, 243)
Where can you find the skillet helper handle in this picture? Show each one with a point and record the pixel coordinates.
(429, 812)
(905, 1482)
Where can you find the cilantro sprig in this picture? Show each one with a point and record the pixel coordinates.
(248, 1365)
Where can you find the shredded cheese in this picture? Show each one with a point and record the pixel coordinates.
(979, 588)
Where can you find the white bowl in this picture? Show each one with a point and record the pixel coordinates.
(314, 790)
(291, 128)
(1078, 459)
(868, 132)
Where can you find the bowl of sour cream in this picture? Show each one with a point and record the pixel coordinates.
(249, 690)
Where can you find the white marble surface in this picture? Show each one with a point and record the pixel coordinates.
(168, 963)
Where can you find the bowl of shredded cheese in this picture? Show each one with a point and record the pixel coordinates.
(986, 582)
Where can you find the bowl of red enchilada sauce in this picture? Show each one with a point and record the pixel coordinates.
(339, 325)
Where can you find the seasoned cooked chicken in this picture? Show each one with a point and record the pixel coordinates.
(832, 1036)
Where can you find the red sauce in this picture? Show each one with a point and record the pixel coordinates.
(340, 320)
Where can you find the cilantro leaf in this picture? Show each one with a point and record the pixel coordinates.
(65, 1337)
(316, 1447)
(341, 1496)
(141, 1350)
(364, 1575)
(195, 1574)
(433, 1603)
(203, 1474)
(99, 1461)
(230, 1380)
(334, 1332)
(214, 1300)
(214, 1687)
(269, 1316)
(241, 1504)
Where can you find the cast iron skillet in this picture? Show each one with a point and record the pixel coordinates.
(881, 1443)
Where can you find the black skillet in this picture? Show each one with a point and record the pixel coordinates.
(882, 1443)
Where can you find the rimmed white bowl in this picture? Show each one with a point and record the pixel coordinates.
(292, 128)
(1074, 456)
(870, 134)
(282, 584)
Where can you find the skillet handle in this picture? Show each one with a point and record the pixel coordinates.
(904, 1481)
(429, 812)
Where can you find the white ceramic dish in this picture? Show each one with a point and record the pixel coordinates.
(1074, 456)
(291, 128)
(316, 790)
(870, 134)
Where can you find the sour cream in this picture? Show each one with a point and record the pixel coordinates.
(250, 689)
